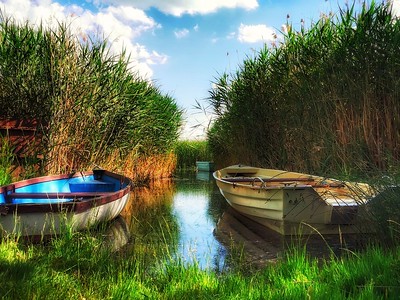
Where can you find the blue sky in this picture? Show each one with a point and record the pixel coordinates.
(180, 45)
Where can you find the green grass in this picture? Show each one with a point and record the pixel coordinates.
(6, 161)
(77, 266)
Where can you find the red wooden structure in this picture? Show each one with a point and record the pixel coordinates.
(23, 135)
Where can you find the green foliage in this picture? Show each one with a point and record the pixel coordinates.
(188, 152)
(90, 105)
(25, 85)
(6, 161)
(325, 100)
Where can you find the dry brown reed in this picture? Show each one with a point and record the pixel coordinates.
(140, 168)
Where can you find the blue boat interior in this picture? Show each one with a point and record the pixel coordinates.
(58, 191)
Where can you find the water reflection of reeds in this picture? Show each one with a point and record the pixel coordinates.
(175, 218)
(156, 193)
(153, 226)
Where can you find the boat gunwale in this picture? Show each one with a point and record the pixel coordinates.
(284, 182)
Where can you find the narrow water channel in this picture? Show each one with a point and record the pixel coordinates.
(187, 218)
(197, 206)
(181, 212)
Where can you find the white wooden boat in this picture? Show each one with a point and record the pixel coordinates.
(47, 205)
(294, 203)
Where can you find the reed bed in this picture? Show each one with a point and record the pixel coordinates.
(325, 100)
(188, 152)
(91, 108)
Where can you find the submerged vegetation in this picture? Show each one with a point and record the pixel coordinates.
(91, 108)
(325, 101)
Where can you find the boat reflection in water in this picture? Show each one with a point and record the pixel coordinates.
(204, 176)
(262, 245)
(117, 234)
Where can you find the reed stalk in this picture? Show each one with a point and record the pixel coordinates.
(6, 161)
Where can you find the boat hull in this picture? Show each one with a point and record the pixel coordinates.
(284, 200)
(46, 206)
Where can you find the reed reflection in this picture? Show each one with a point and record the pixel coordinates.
(153, 226)
(176, 218)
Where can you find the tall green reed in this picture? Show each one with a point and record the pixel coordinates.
(188, 152)
(91, 106)
(325, 100)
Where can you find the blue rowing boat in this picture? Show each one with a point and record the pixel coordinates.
(45, 205)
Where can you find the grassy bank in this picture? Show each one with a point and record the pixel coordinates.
(79, 266)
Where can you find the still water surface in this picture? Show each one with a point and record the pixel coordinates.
(181, 212)
(188, 218)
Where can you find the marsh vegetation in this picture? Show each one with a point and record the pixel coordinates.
(324, 101)
(190, 151)
(151, 261)
(90, 106)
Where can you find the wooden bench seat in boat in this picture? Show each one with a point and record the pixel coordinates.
(311, 181)
(92, 186)
(259, 179)
(46, 198)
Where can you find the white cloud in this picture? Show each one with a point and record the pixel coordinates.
(120, 25)
(179, 34)
(36, 11)
(180, 7)
(396, 7)
(256, 33)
